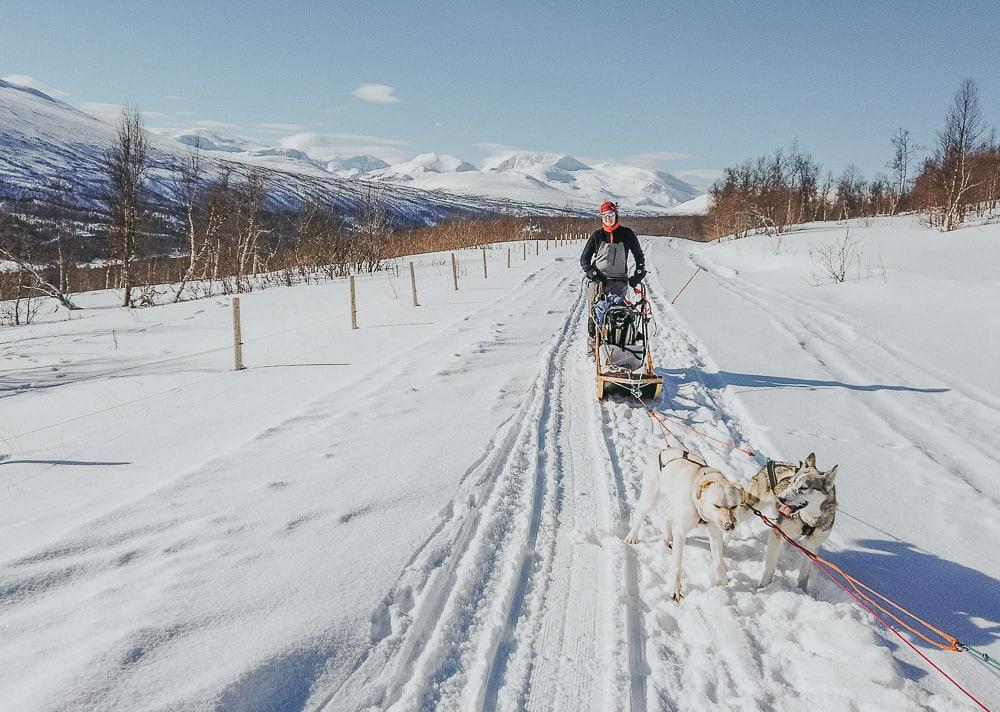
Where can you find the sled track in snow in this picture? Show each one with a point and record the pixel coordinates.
(524, 596)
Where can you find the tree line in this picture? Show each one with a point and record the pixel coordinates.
(957, 179)
(233, 240)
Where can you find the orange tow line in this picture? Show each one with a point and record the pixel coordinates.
(865, 596)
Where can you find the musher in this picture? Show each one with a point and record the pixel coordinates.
(605, 262)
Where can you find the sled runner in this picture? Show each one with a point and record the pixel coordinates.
(622, 355)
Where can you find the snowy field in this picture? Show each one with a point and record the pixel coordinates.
(428, 512)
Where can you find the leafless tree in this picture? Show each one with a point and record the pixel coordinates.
(248, 227)
(905, 151)
(374, 228)
(957, 142)
(126, 164)
(30, 278)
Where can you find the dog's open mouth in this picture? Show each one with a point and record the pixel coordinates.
(787, 510)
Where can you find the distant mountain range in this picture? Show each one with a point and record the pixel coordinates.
(44, 140)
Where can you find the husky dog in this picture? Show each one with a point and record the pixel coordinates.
(806, 500)
(697, 495)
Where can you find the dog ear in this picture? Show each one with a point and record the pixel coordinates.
(831, 475)
(811, 460)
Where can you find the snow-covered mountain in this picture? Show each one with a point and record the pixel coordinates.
(548, 178)
(44, 141)
(355, 165)
(435, 163)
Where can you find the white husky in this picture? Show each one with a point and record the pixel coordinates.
(697, 495)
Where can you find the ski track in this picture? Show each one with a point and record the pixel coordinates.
(494, 545)
(932, 426)
(524, 597)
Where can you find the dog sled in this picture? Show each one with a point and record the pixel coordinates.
(622, 355)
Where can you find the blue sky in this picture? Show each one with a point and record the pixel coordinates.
(687, 87)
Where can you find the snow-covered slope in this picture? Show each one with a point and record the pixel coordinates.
(695, 206)
(43, 140)
(427, 513)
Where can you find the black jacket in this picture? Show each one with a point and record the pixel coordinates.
(621, 234)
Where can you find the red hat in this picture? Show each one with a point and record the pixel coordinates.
(608, 205)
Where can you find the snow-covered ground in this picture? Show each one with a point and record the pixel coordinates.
(428, 512)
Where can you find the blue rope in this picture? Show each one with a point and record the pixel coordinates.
(982, 657)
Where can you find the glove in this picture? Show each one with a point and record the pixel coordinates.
(635, 279)
(595, 275)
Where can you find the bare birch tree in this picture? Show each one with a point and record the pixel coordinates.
(905, 151)
(957, 142)
(126, 163)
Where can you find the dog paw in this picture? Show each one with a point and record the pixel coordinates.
(722, 581)
(632, 539)
(677, 596)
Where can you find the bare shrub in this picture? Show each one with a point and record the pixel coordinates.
(835, 260)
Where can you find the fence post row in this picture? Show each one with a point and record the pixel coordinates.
(237, 336)
(354, 306)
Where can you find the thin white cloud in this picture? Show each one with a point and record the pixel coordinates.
(111, 113)
(209, 124)
(174, 97)
(184, 113)
(24, 80)
(278, 127)
(657, 156)
(497, 147)
(375, 93)
(700, 177)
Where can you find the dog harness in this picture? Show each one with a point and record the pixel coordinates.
(690, 457)
(685, 455)
(772, 478)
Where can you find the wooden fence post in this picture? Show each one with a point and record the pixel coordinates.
(537, 247)
(454, 270)
(237, 335)
(485, 275)
(524, 249)
(413, 284)
(508, 258)
(354, 306)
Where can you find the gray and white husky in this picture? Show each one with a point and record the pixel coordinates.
(806, 501)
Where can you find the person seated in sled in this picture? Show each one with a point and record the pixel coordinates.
(605, 262)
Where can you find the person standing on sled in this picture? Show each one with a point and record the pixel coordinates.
(605, 262)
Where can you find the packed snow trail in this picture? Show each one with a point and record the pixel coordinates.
(526, 608)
